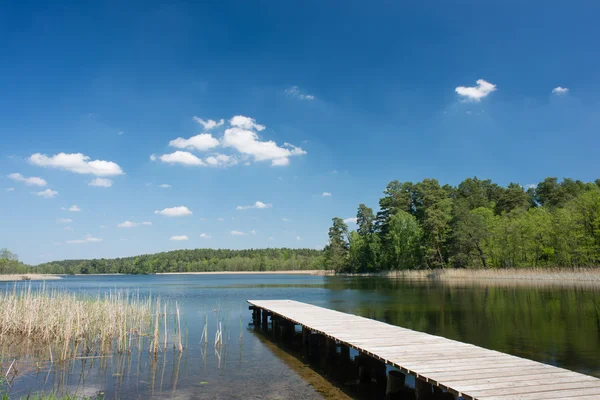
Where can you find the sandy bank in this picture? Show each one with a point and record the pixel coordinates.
(298, 272)
(28, 277)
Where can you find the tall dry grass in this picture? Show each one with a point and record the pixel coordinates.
(73, 323)
(512, 276)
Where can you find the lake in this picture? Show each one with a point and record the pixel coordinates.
(554, 325)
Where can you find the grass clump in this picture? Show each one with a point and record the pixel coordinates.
(73, 323)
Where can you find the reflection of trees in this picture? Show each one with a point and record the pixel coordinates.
(553, 325)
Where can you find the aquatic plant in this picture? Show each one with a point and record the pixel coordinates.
(73, 323)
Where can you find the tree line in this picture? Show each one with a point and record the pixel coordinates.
(477, 224)
(198, 260)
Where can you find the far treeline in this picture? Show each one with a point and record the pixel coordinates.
(199, 260)
(477, 224)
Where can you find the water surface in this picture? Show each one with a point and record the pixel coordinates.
(554, 325)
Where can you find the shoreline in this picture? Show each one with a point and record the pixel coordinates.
(28, 277)
(318, 272)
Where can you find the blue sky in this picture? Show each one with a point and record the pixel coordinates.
(315, 97)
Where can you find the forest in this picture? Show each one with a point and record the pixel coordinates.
(477, 224)
(198, 260)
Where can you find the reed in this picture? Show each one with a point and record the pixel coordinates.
(71, 323)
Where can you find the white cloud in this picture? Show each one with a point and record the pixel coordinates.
(209, 124)
(298, 238)
(220, 160)
(120, 133)
(246, 123)
(48, 193)
(86, 239)
(204, 236)
(237, 233)
(476, 93)
(253, 232)
(559, 91)
(350, 220)
(180, 211)
(74, 208)
(68, 228)
(100, 182)
(280, 162)
(201, 142)
(181, 157)
(530, 186)
(164, 186)
(294, 91)
(178, 238)
(285, 220)
(64, 220)
(130, 224)
(220, 219)
(247, 142)
(31, 181)
(326, 194)
(77, 163)
(258, 204)
(10, 189)
(153, 157)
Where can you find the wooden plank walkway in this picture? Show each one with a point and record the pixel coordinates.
(463, 369)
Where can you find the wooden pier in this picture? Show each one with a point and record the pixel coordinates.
(442, 367)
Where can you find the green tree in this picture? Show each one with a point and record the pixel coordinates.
(404, 242)
(336, 252)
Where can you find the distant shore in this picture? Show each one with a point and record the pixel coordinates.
(28, 277)
(294, 272)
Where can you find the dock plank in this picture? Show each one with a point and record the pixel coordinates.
(464, 369)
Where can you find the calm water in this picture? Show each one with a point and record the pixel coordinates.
(559, 326)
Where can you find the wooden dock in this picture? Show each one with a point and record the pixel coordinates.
(465, 370)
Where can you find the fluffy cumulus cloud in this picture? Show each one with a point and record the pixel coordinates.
(100, 182)
(48, 193)
(237, 233)
(179, 238)
(204, 236)
(86, 239)
(164, 186)
(476, 93)
(246, 123)
(201, 142)
(241, 136)
(10, 189)
(209, 124)
(294, 91)
(77, 163)
(258, 204)
(31, 181)
(559, 91)
(350, 221)
(180, 211)
(74, 208)
(131, 224)
(326, 194)
(181, 157)
(220, 160)
(247, 142)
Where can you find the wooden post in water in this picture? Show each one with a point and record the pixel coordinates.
(423, 390)
(344, 352)
(265, 320)
(395, 384)
(364, 369)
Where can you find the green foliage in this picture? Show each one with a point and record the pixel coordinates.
(198, 260)
(477, 224)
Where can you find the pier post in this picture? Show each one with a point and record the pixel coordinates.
(344, 352)
(364, 369)
(423, 390)
(379, 370)
(265, 320)
(395, 384)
